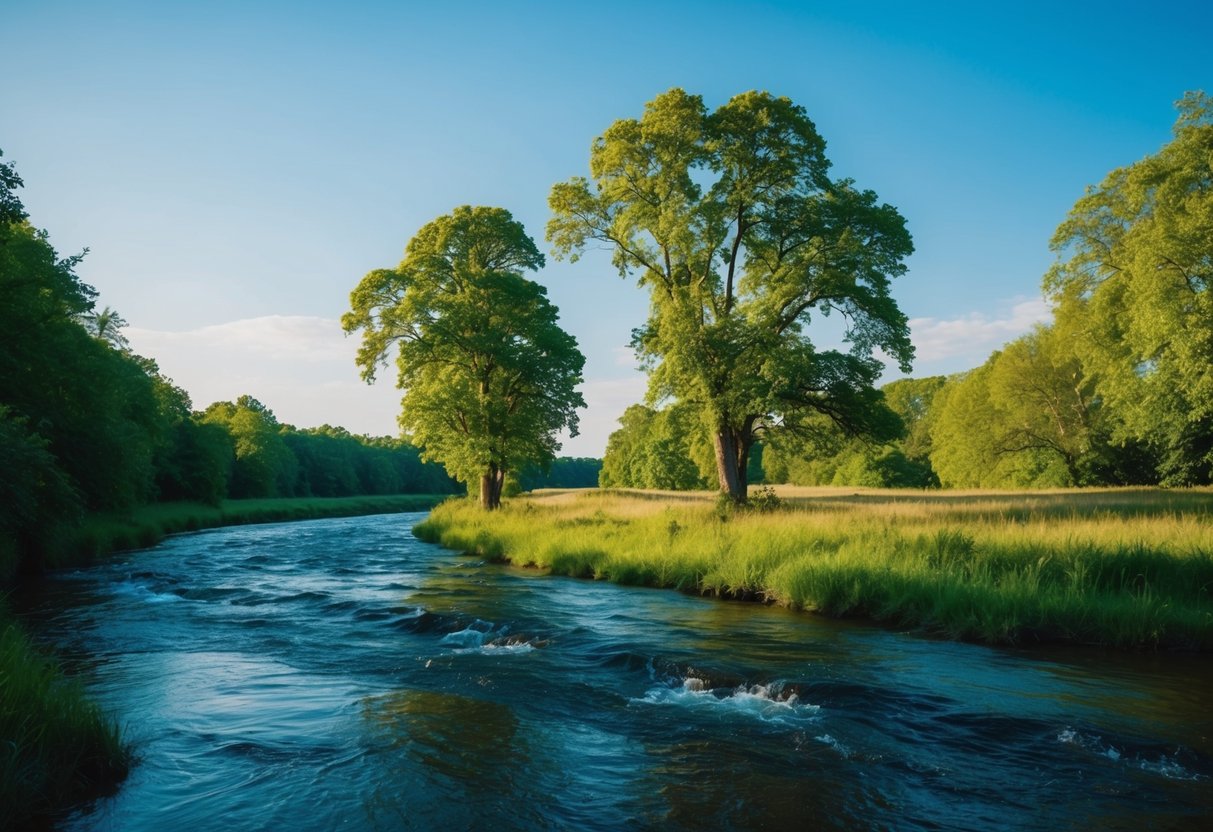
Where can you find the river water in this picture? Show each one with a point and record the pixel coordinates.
(340, 674)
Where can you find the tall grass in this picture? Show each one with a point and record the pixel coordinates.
(1127, 568)
(56, 747)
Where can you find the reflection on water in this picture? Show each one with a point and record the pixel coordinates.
(339, 673)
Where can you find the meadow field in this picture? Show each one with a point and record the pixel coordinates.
(1130, 568)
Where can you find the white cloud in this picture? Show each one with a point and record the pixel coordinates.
(274, 337)
(974, 336)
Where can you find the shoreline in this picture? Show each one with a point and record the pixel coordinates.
(1117, 569)
(101, 535)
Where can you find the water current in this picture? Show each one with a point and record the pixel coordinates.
(340, 674)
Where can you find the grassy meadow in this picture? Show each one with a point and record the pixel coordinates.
(1130, 568)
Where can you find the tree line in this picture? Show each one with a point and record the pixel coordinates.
(1117, 390)
(86, 425)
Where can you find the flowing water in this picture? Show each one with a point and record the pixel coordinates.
(340, 674)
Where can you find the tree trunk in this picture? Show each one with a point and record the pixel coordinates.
(744, 442)
(491, 482)
(732, 481)
(733, 458)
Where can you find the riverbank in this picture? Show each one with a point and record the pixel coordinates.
(57, 748)
(146, 526)
(1129, 568)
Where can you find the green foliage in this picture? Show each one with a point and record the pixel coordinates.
(653, 449)
(1134, 283)
(731, 221)
(764, 500)
(822, 454)
(1030, 417)
(332, 462)
(489, 377)
(37, 500)
(563, 472)
(264, 466)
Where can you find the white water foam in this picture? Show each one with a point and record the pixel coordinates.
(142, 593)
(482, 637)
(764, 702)
(826, 739)
(1165, 766)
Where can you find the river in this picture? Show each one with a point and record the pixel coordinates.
(340, 674)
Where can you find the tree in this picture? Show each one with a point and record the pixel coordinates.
(652, 449)
(264, 465)
(489, 377)
(732, 223)
(107, 326)
(1134, 282)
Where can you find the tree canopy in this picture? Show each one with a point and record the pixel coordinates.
(1134, 282)
(731, 221)
(489, 376)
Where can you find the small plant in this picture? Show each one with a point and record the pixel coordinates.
(764, 500)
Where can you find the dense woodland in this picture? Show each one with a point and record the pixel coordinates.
(88, 426)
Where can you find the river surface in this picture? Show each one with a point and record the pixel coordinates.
(340, 674)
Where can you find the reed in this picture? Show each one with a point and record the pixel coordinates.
(1130, 568)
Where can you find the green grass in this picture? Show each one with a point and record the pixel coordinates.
(56, 748)
(1130, 568)
(147, 525)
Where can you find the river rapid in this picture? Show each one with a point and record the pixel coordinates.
(340, 674)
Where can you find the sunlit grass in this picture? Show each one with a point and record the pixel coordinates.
(1124, 567)
(55, 746)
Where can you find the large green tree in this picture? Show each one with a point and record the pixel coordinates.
(489, 376)
(1134, 282)
(731, 221)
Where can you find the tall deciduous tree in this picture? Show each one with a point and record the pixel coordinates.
(1134, 281)
(731, 221)
(489, 377)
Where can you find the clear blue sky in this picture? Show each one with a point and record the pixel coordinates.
(235, 168)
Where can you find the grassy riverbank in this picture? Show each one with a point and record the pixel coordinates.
(101, 534)
(56, 747)
(1129, 568)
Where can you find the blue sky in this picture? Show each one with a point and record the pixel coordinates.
(235, 168)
